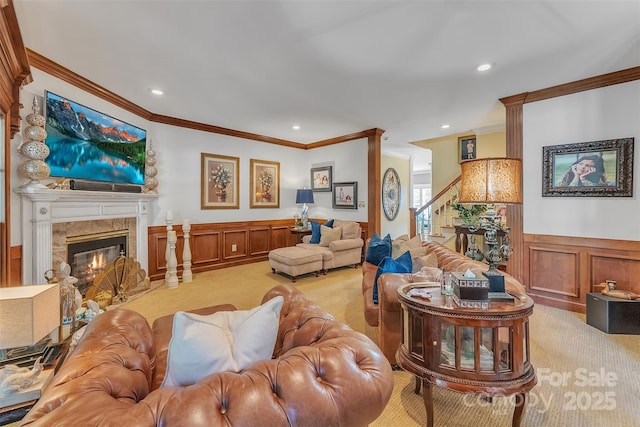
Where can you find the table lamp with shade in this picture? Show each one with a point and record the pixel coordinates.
(304, 196)
(489, 181)
(27, 315)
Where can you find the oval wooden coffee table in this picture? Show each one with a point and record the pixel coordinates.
(468, 350)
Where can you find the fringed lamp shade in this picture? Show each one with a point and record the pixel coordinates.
(491, 180)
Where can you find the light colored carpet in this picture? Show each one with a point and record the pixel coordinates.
(585, 377)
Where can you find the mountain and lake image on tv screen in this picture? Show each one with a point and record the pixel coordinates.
(87, 144)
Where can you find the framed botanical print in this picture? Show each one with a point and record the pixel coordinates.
(219, 184)
(321, 178)
(265, 184)
(345, 195)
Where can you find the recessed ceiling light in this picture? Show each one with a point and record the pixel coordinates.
(484, 67)
(157, 92)
(445, 126)
(295, 127)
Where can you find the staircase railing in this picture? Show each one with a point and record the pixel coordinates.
(436, 214)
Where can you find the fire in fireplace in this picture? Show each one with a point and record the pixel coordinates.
(89, 255)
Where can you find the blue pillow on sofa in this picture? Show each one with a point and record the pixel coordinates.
(402, 264)
(315, 230)
(378, 249)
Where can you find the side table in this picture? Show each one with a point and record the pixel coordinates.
(484, 351)
(17, 405)
(300, 233)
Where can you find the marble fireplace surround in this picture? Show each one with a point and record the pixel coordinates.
(47, 213)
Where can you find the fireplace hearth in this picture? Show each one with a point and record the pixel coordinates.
(49, 217)
(89, 255)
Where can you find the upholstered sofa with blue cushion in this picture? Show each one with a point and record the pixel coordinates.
(340, 245)
(387, 315)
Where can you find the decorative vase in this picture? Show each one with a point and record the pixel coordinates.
(221, 192)
(150, 171)
(34, 149)
(266, 195)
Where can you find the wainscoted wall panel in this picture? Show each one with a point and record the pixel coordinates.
(281, 237)
(561, 270)
(235, 243)
(15, 266)
(205, 248)
(559, 274)
(259, 241)
(212, 245)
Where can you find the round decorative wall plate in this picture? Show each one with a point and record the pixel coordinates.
(391, 194)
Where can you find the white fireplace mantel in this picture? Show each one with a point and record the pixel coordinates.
(42, 207)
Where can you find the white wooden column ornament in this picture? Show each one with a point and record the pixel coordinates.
(186, 253)
(168, 219)
(172, 263)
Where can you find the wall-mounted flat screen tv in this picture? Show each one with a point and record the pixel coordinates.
(87, 144)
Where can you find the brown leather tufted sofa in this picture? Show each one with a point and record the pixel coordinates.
(322, 373)
(386, 315)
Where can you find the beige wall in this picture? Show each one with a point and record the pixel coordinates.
(445, 154)
(492, 144)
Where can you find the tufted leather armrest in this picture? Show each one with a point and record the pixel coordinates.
(390, 317)
(107, 373)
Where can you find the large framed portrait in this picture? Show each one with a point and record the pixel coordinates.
(265, 184)
(466, 148)
(345, 195)
(321, 178)
(596, 169)
(219, 184)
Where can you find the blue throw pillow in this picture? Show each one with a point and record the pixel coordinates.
(378, 249)
(315, 232)
(329, 223)
(402, 264)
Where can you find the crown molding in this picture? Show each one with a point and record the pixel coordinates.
(50, 67)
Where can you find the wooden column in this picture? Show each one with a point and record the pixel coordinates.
(14, 71)
(375, 186)
(513, 105)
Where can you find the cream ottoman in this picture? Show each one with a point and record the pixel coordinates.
(295, 261)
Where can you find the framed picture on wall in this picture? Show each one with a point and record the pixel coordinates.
(595, 169)
(219, 177)
(265, 184)
(466, 148)
(345, 195)
(321, 178)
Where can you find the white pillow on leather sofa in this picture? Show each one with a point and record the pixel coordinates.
(222, 341)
